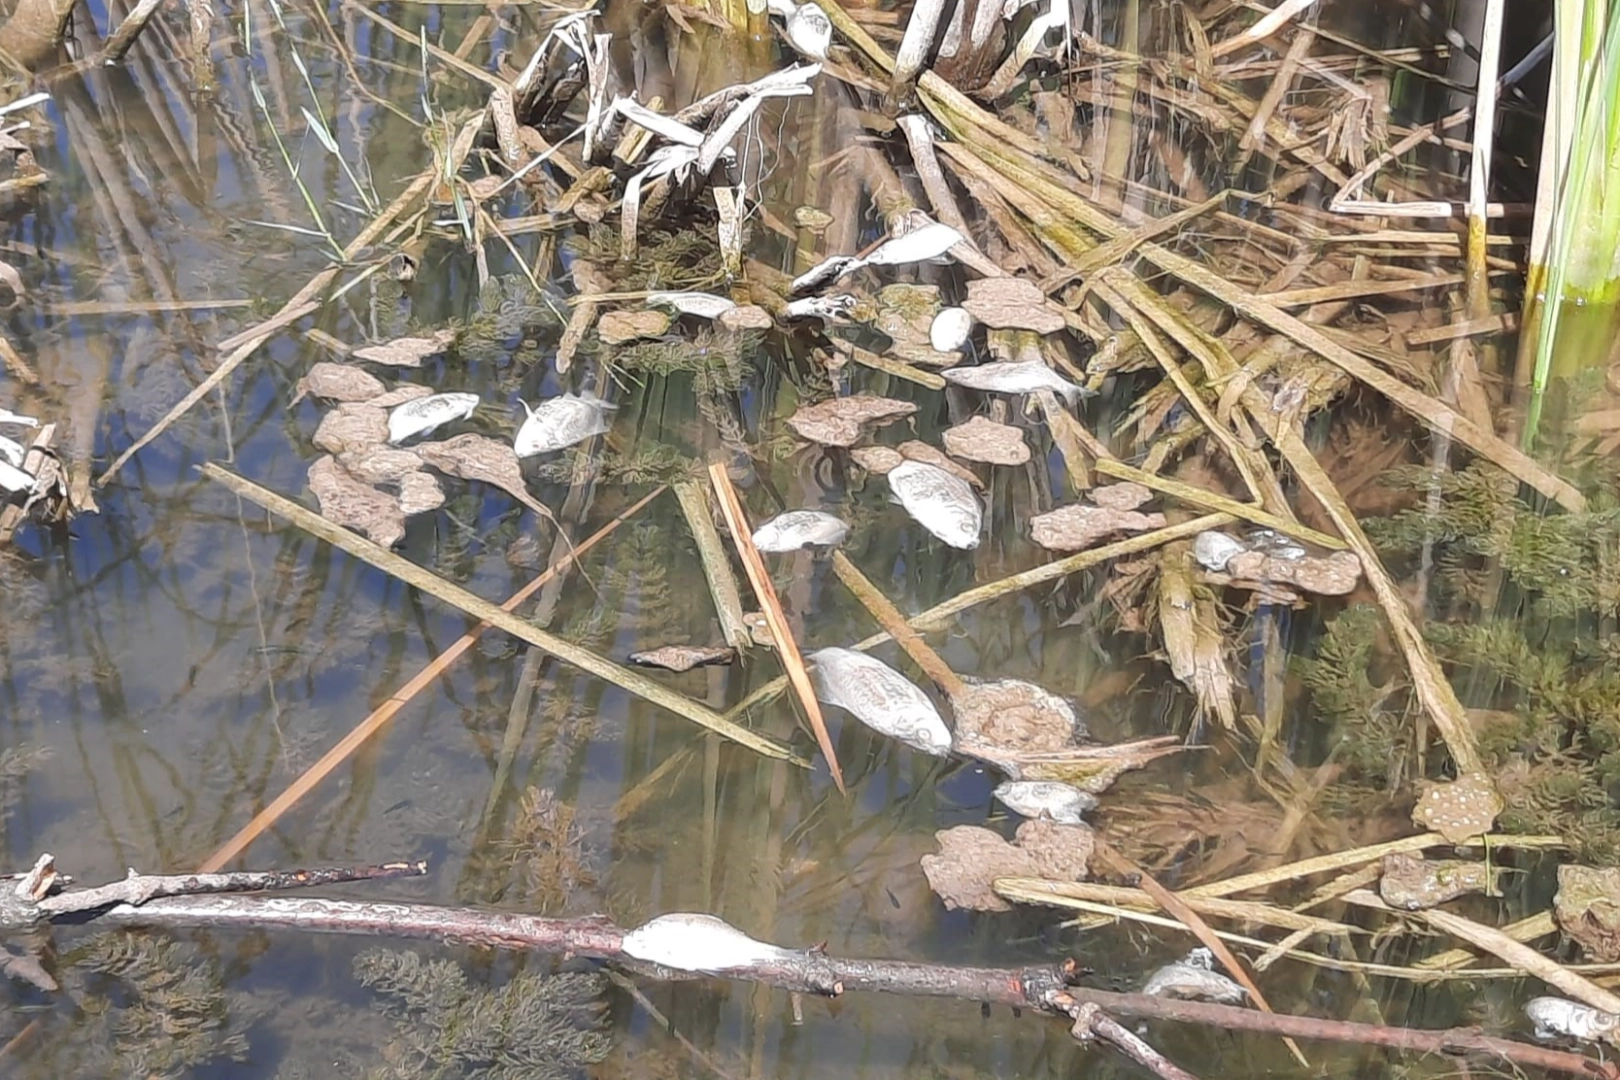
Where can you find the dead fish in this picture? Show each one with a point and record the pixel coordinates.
(950, 329)
(810, 31)
(940, 502)
(14, 479)
(926, 242)
(426, 413)
(695, 942)
(1194, 976)
(683, 657)
(820, 307)
(11, 450)
(1046, 798)
(561, 421)
(702, 304)
(1214, 550)
(1556, 1017)
(879, 697)
(798, 529)
(9, 417)
(1008, 377)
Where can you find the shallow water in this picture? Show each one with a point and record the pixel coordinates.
(183, 657)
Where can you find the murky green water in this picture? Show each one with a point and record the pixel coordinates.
(183, 657)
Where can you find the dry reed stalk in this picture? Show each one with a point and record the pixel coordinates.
(1209, 500)
(717, 571)
(888, 616)
(775, 618)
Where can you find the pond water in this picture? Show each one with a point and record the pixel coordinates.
(180, 657)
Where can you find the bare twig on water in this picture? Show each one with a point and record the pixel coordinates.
(399, 699)
(1047, 989)
(1209, 500)
(631, 681)
(1090, 1022)
(760, 579)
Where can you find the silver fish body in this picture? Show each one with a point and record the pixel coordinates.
(561, 422)
(797, 529)
(879, 697)
(688, 941)
(1214, 549)
(1046, 799)
(939, 501)
(1194, 976)
(421, 416)
(1013, 377)
(1556, 1017)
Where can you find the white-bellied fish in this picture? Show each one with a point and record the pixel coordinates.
(810, 31)
(1194, 976)
(421, 416)
(879, 697)
(797, 529)
(1046, 798)
(1560, 1018)
(12, 450)
(687, 941)
(940, 502)
(1013, 377)
(702, 304)
(14, 479)
(9, 417)
(561, 422)
(950, 329)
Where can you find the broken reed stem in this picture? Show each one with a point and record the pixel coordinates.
(385, 712)
(630, 681)
(888, 616)
(1043, 989)
(1209, 500)
(940, 614)
(302, 303)
(128, 31)
(1259, 912)
(786, 647)
(722, 579)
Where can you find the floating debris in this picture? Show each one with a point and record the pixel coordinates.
(810, 31)
(982, 439)
(1214, 549)
(9, 417)
(922, 244)
(917, 450)
(940, 502)
(820, 307)
(339, 382)
(1126, 495)
(405, 351)
(684, 657)
(876, 459)
(1010, 303)
(352, 427)
(399, 395)
(838, 421)
(1459, 810)
(419, 492)
(424, 415)
(879, 697)
(1046, 799)
(1006, 718)
(561, 422)
(798, 529)
(702, 304)
(972, 857)
(1327, 575)
(950, 329)
(1587, 909)
(1412, 883)
(379, 464)
(478, 457)
(618, 327)
(746, 317)
(812, 218)
(14, 479)
(345, 501)
(12, 450)
(1078, 527)
(700, 943)
(1014, 377)
(1560, 1018)
(1194, 977)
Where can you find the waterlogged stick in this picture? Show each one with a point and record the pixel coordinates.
(632, 681)
(731, 507)
(888, 616)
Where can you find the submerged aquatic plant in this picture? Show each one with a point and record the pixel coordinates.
(537, 1026)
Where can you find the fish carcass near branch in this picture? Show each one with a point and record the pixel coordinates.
(879, 697)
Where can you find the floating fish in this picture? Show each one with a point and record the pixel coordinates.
(9, 417)
(14, 479)
(1556, 1018)
(695, 942)
(810, 31)
(879, 697)
(1276, 545)
(561, 421)
(940, 502)
(683, 657)
(797, 529)
(705, 305)
(1194, 976)
(950, 329)
(11, 450)
(1008, 377)
(1046, 798)
(1214, 550)
(820, 307)
(426, 413)
(921, 244)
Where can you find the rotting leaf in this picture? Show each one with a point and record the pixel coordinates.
(406, 351)
(746, 317)
(1459, 810)
(1126, 495)
(684, 657)
(838, 421)
(347, 502)
(420, 492)
(380, 464)
(876, 459)
(971, 858)
(1411, 883)
(1006, 718)
(982, 439)
(917, 450)
(1010, 303)
(478, 457)
(399, 395)
(1077, 527)
(1327, 575)
(339, 382)
(352, 427)
(618, 327)
(1587, 908)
